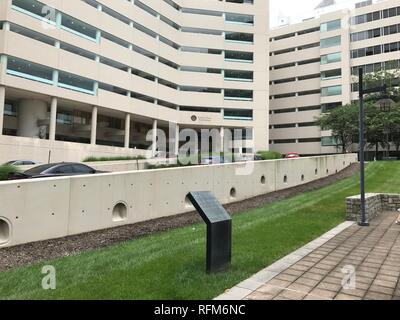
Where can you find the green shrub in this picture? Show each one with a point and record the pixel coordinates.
(270, 155)
(167, 166)
(102, 159)
(6, 171)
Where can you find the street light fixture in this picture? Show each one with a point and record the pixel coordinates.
(362, 92)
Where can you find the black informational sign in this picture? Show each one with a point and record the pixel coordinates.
(219, 230)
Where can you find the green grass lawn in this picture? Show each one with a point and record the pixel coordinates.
(171, 265)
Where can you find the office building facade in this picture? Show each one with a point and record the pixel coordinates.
(93, 77)
(313, 68)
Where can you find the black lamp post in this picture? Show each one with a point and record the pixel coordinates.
(362, 92)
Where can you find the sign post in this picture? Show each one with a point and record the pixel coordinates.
(219, 230)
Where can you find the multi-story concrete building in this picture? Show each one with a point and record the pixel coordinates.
(92, 77)
(313, 64)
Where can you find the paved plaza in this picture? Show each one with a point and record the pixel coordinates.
(368, 258)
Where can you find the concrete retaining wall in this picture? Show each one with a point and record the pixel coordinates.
(19, 148)
(34, 210)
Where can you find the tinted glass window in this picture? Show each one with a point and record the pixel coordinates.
(63, 169)
(80, 168)
(38, 169)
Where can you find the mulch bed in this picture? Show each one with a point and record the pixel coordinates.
(50, 249)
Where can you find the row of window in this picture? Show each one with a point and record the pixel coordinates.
(325, 92)
(294, 34)
(177, 7)
(293, 125)
(324, 27)
(376, 67)
(75, 26)
(325, 59)
(376, 15)
(395, 83)
(331, 58)
(300, 78)
(21, 68)
(291, 110)
(229, 18)
(331, 25)
(331, 42)
(325, 141)
(373, 50)
(293, 49)
(331, 91)
(294, 64)
(292, 141)
(326, 107)
(324, 75)
(295, 94)
(375, 33)
(229, 75)
(65, 22)
(80, 117)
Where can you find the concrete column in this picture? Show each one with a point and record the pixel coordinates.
(127, 130)
(53, 119)
(2, 102)
(93, 132)
(177, 131)
(32, 116)
(55, 77)
(58, 19)
(154, 139)
(222, 136)
(3, 61)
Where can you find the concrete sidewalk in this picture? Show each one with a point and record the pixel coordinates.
(318, 270)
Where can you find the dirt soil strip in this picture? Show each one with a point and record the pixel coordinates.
(63, 247)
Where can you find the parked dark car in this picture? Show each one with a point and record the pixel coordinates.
(21, 163)
(55, 170)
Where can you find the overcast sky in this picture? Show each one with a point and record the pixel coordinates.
(293, 8)
(296, 9)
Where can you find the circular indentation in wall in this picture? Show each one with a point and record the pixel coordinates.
(233, 193)
(263, 180)
(316, 172)
(285, 179)
(120, 212)
(302, 178)
(5, 231)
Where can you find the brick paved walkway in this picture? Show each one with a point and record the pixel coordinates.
(373, 252)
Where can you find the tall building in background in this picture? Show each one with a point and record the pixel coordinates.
(312, 68)
(87, 77)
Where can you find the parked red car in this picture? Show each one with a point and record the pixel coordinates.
(292, 155)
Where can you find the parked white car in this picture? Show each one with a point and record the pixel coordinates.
(21, 163)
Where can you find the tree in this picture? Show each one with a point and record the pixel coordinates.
(374, 127)
(389, 76)
(383, 127)
(343, 122)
